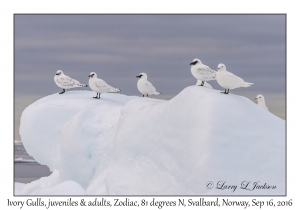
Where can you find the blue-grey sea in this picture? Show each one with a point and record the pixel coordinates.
(26, 169)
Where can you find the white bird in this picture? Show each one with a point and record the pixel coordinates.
(144, 86)
(100, 86)
(65, 82)
(206, 84)
(261, 101)
(228, 80)
(202, 72)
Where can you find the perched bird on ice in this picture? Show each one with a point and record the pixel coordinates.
(201, 71)
(228, 80)
(261, 101)
(100, 86)
(144, 86)
(65, 82)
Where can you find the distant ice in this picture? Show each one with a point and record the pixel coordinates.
(23, 160)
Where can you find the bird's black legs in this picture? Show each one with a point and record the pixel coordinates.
(143, 95)
(62, 91)
(202, 83)
(97, 95)
(147, 95)
(225, 91)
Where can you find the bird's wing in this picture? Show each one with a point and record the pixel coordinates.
(103, 85)
(150, 86)
(233, 78)
(206, 71)
(66, 81)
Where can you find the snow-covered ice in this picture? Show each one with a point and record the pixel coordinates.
(64, 188)
(50, 185)
(127, 145)
(18, 188)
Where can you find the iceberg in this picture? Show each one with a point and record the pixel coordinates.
(201, 142)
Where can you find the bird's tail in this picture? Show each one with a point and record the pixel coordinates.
(116, 90)
(156, 93)
(82, 85)
(247, 84)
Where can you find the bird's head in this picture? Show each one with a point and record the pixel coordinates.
(195, 61)
(221, 67)
(59, 72)
(142, 76)
(259, 98)
(92, 75)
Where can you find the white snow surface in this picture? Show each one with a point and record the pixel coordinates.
(18, 188)
(127, 145)
(64, 188)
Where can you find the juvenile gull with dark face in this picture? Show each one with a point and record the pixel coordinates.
(65, 82)
(100, 86)
(144, 86)
(202, 72)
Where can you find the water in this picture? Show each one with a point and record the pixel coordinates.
(26, 169)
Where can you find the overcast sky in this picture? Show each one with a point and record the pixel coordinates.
(119, 47)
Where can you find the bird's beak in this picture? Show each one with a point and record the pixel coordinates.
(139, 76)
(255, 98)
(57, 74)
(89, 75)
(193, 63)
